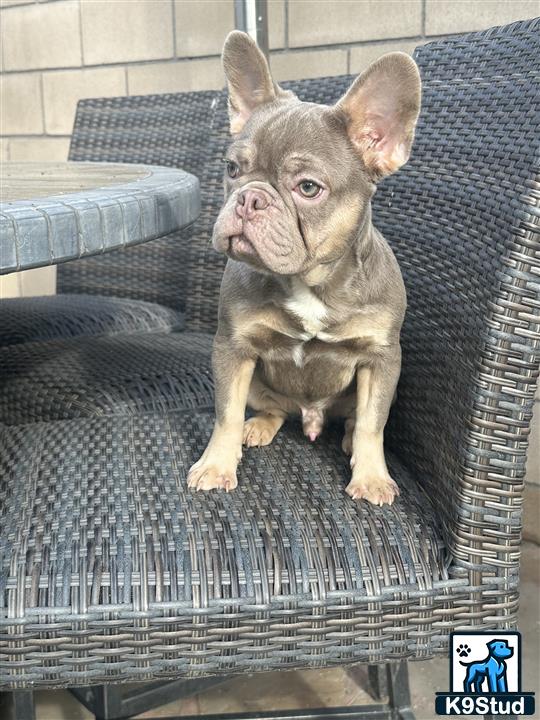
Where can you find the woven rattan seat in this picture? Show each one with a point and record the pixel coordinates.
(100, 375)
(47, 318)
(285, 572)
(112, 570)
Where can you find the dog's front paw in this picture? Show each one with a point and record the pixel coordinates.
(209, 475)
(376, 490)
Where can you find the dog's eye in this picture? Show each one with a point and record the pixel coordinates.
(309, 189)
(232, 169)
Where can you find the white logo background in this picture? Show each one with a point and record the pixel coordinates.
(479, 651)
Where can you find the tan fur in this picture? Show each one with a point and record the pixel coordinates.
(261, 429)
(217, 466)
(371, 479)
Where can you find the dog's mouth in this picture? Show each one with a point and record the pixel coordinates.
(240, 246)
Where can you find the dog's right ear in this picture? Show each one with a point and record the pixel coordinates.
(248, 78)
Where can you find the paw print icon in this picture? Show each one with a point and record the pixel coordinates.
(463, 650)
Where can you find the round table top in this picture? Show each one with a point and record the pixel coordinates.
(54, 212)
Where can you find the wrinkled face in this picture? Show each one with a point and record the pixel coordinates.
(299, 176)
(295, 190)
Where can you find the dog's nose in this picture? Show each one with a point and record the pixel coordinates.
(250, 201)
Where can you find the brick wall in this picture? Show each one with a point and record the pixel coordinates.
(57, 51)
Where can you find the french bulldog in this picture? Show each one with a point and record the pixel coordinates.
(312, 299)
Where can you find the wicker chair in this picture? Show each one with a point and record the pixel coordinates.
(111, 571)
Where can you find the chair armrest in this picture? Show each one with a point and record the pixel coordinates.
(462, 418)
(462, 218)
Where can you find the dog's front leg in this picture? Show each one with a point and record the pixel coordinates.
(376, 384)
(232, 378)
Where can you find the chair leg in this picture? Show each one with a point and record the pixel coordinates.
(23, 705)
(104, 701)
(110, 703)
(374, 682)
(370, 678)
(399, 694)
(391, 680)
(113, 702)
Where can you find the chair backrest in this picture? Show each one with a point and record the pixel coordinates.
(462, 218)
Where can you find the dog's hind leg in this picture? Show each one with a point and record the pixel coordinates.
(478, 684)
(469, 679)
(346, 443)
(261, 429)
(345, 407)
(272, 409)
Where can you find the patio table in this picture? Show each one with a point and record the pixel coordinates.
(54, 212)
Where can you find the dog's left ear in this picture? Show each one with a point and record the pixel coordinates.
(381, 109)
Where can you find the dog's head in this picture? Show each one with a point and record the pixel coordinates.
(299, 176)
(500, 649)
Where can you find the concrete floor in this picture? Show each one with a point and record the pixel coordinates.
(316, 688)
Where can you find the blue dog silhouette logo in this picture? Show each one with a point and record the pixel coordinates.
(488, 675)
(485, 676)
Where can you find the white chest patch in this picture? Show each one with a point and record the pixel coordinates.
(298, 355)
(307, 307)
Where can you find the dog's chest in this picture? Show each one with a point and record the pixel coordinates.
(307, 308)
(311, 337)
(306, 341)
(305, 354)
